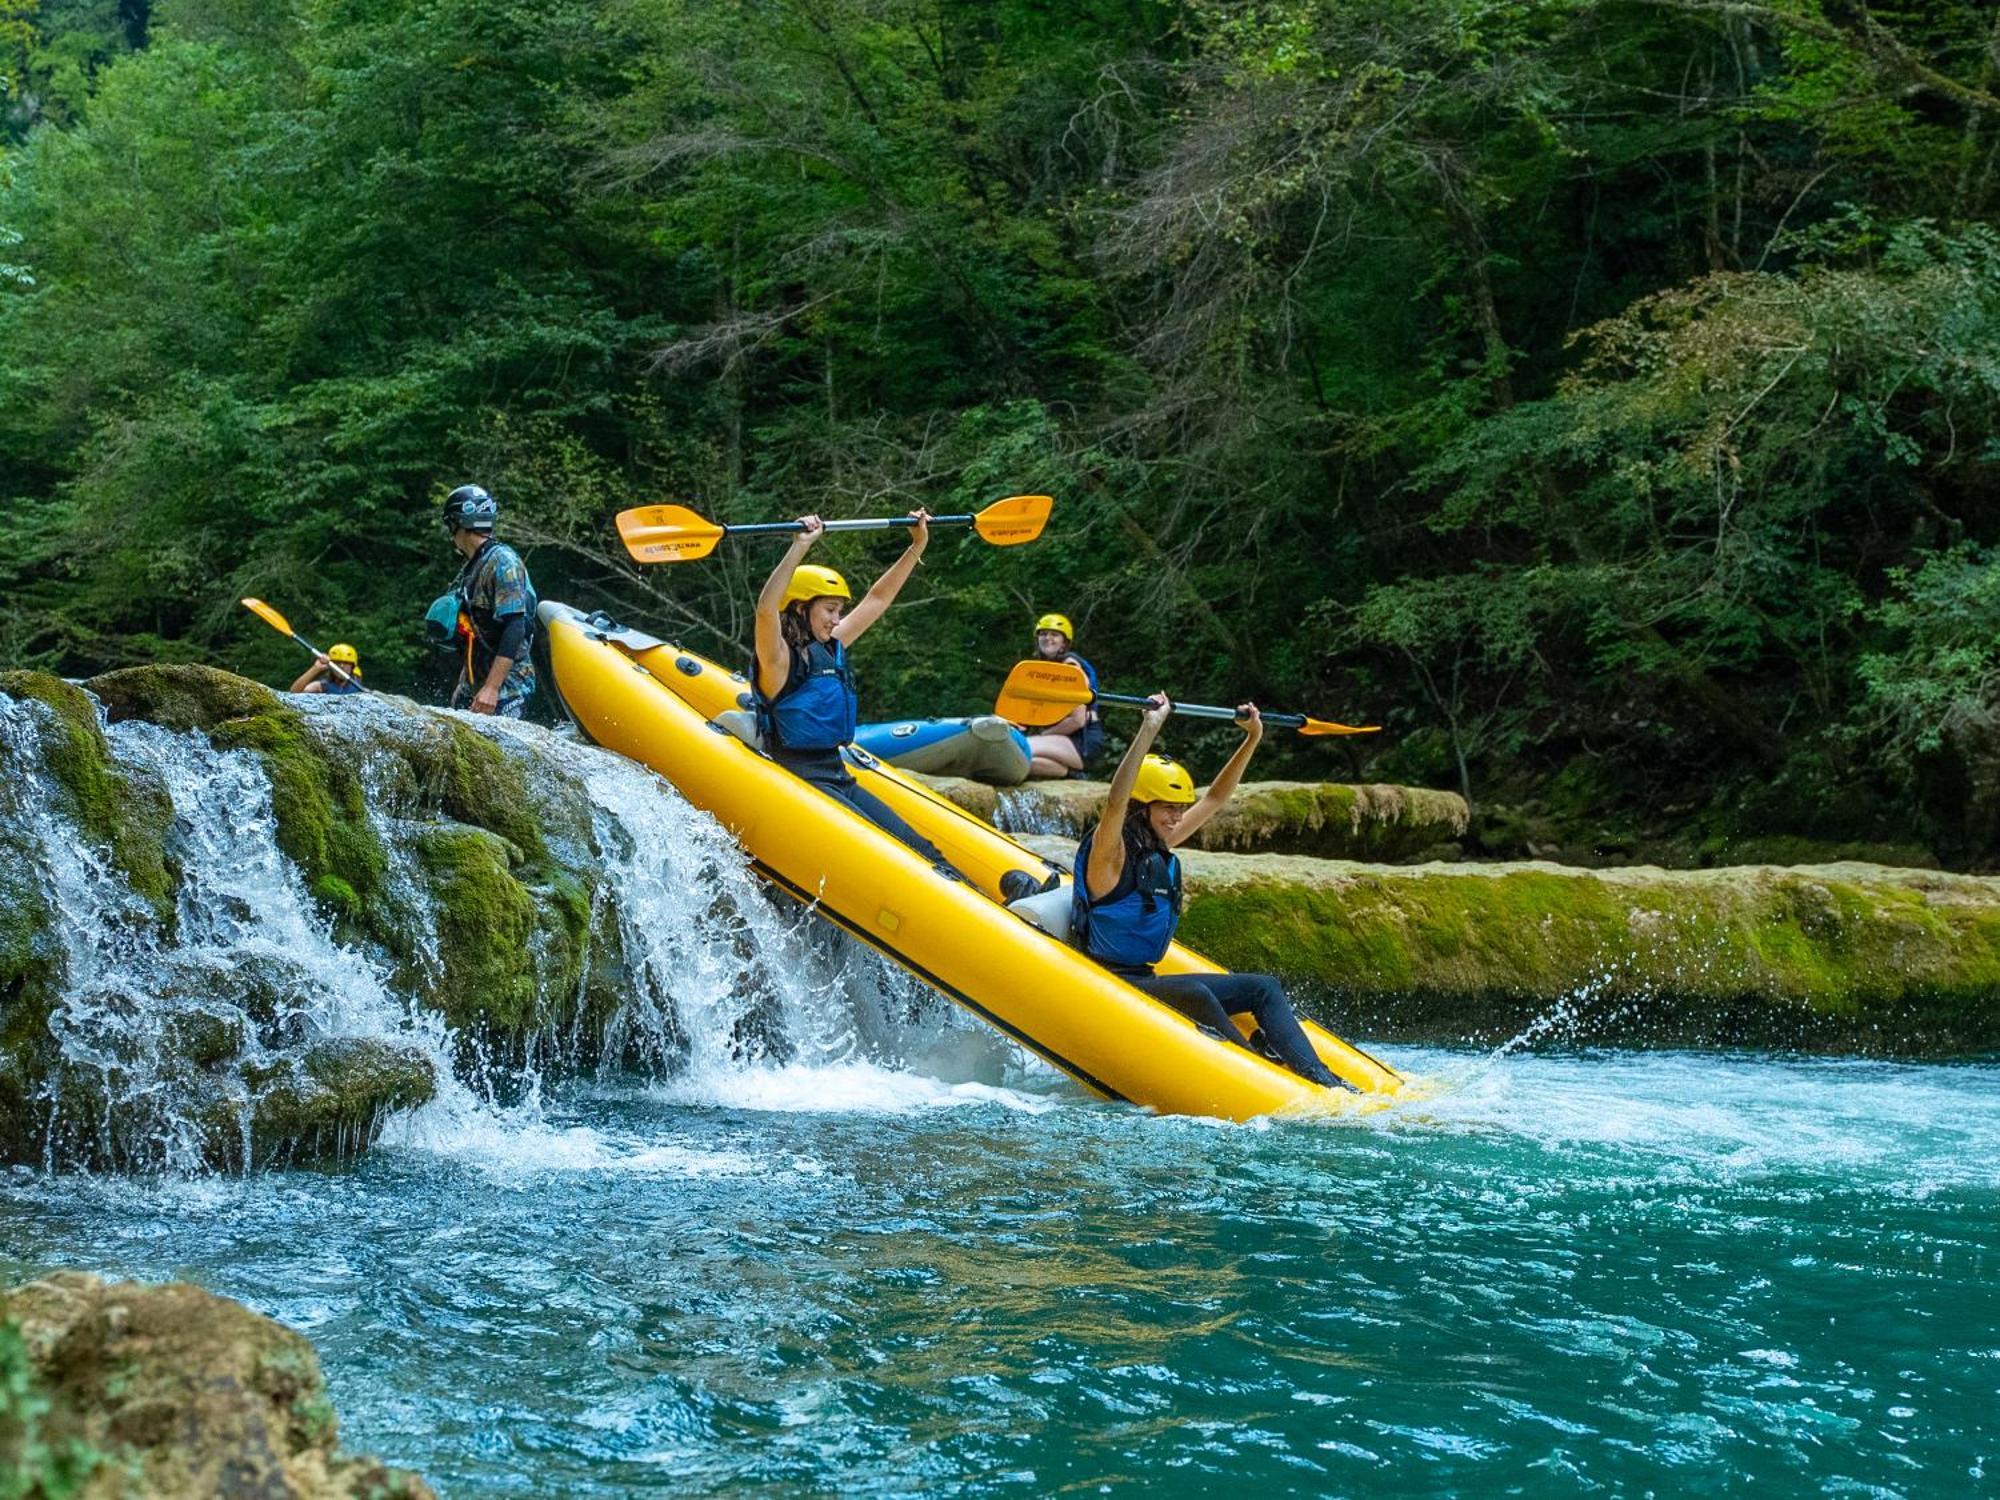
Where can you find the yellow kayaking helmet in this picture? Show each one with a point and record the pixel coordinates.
(1163, 780)
(810, 582)
(1056, 622)
(347, 656)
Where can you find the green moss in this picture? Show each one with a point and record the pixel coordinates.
(1332, 820)
(320, 806)
(484, 920)
(1849, 957)
(181, 696)
(469, 779)
(123, 812)
(38, 1458)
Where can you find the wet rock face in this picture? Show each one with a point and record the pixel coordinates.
(469, 868)
(169, 1392)
(160, 1027)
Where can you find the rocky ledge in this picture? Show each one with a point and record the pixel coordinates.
(167, 1393)
(1854, 958)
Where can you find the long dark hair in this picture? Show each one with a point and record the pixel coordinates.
(792, 624)
(1139, 830)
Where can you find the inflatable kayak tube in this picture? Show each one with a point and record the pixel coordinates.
(687, 718)
(987, 748)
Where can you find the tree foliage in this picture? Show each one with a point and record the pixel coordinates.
(1556, 378)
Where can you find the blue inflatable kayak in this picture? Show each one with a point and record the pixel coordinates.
(986, 748)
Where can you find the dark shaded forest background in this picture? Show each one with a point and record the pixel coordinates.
(1602, 394)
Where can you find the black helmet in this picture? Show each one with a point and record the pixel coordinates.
(469, 508)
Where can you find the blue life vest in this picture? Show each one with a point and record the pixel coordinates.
(817, 709)
(334, 686)
(1132, 925)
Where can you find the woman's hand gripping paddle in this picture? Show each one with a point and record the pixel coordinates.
(283, 626)
(673, 533)
(1038, 693)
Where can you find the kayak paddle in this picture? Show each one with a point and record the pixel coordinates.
(1038, 693)
(673, 533)
(283, 626)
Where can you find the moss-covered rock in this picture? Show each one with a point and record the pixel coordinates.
(484, 917)
(122, 810)
(1324, 819)
(329, 1103)
(320, 806)
(201, 1061)
(172, 1393)
(180, 696)
(1848, 957)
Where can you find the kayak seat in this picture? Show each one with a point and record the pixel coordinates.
(1049, 911)
(742, 723)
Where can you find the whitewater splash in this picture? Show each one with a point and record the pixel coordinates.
(722, 993)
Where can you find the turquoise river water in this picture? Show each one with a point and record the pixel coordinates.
(1609, 1273)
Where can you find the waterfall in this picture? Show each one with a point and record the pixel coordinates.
(161, 1030)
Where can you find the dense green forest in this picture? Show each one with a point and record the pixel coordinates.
(1604, 394)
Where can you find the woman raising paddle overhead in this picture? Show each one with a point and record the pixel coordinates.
(806, 702)
(1126, 899)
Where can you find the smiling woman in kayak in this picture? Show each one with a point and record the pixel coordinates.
(806, 704)
(1126, 899)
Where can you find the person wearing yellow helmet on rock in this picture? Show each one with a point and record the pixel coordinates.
(1126, 899)
(321, 678)
(806, 703)
(1072, 744)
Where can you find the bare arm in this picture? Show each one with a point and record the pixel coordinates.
(309, 679)
(1227, 779)
(875, 603)
(487, 699)
(774, 657)
(1107, 845)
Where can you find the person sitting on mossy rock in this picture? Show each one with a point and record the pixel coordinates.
(1126, 895)
(1074, 743)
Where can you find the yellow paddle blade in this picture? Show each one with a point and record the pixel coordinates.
(268, 615)
(1017, 519)
(1325, 726)
(666, 534)
(1041, 692)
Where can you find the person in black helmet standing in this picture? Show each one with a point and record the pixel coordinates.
(497, 602)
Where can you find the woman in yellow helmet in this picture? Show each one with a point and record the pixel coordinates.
(321, 678)
(1126, 899)
(1073, 743)
(806, 703)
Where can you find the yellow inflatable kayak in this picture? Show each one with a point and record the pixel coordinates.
(687, 718)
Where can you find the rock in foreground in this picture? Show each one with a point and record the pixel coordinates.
(168, 1392)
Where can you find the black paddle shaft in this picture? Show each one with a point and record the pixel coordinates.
(1208, 711)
